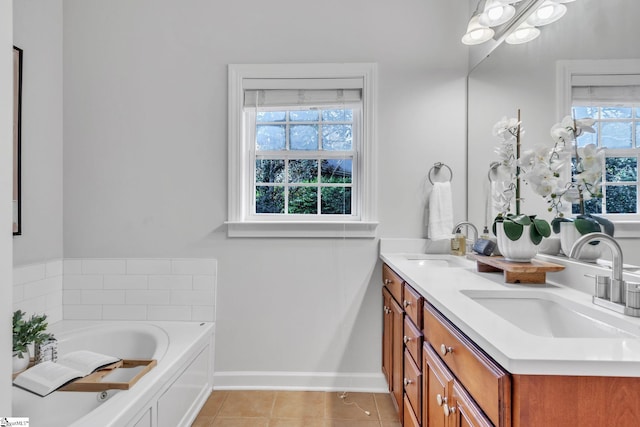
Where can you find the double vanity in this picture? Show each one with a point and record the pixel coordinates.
(462, 347)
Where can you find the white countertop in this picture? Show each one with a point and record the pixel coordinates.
(518, 351)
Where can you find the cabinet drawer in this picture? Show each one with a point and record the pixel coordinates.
(413, 341)
(412, 383)
(412, 304)
(487, 383)
(410, 419)
(467, 413)
(393, 282)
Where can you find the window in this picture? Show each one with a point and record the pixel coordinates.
(609, 92)
(302, 150)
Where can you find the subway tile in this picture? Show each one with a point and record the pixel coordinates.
(192, 298)
(72, 296)
(171, 282)
(124, 312)
(193, 266)
(53, 300)
(148, 266)
(41, 287)
(201, 313)
(103, 266)
(28, 273)
(54, 268)
(54, 314)
(82, 312)
(18, 293)
(103, 297)
(72, 267)
(83, 282)
(204, 283)
(147, 297)
(125, 282)
(168, 312)
(37, 305)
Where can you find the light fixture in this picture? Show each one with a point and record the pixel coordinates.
(476, 32)
(524, 33)
(548, 12)
(496, 13)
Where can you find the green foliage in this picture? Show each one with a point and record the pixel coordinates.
(28, 331)
(513, 226)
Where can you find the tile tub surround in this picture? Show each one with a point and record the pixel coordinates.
(139, 289)
(37, 288)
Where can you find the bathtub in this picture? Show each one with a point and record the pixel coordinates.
(170, 395)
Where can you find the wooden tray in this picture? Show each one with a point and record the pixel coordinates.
(516, 272)
(93, 382)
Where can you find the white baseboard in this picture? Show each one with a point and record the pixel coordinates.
(308, 381)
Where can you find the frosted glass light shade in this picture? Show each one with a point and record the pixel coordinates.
(476, 32)
(524, 33)
(496, 13)
(548, 12)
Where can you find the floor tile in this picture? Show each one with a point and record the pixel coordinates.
(297, 422)
(239, 404)
(353, 423)
(296, 404)
(213, 403)
(386, 408)
(391, 424)
(351, 407)
(240, 422)
(203, 421)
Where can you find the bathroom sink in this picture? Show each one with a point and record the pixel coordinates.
(434, 260)
(549, 315)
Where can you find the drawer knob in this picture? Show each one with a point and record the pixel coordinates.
(448, 410)
(444, 350)
(406, 339)
(388, 281)
(440, 399)
(407, 381)
(406, 303)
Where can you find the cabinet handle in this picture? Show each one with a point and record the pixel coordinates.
(406, 303)
(407, 381)
(448, 410)
(444, 350)
(388, 281)
(440, 399)
(406, 339)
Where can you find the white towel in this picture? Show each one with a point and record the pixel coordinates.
(440, 211)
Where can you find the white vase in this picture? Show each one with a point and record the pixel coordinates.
(521, 250)
(568, 236)
(20, 364)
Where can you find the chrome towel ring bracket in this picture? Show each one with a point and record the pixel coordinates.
(435, 169)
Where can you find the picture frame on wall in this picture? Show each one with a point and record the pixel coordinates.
(17, 140)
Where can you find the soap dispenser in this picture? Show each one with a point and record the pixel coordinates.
(458, 243)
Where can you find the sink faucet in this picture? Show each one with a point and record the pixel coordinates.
(619, 290)
(468, 224)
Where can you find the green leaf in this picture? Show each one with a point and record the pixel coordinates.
(586, 225)
(521, 219)
(512, 230)
(542, 227)
(555, 223)
(607, 226)
(535, 235)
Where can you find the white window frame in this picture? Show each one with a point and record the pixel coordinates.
(566, 70)
(242, 222)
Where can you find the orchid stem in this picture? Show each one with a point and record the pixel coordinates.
(517, 166)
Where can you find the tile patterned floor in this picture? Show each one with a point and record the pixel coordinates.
(296, 409)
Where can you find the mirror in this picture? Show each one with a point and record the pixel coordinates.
(17, 137)
(523, 77)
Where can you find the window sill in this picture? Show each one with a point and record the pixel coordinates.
(627, 229)
(358, 230)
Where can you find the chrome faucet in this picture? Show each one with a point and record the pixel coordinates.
(619, 296)
(468, 224)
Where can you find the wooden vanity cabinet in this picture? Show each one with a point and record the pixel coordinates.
(393, 348)
(437, 383)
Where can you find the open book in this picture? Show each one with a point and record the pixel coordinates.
(46, 377)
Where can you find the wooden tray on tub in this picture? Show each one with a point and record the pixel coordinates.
(93, 382)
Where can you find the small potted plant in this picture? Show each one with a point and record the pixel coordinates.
(26, 332)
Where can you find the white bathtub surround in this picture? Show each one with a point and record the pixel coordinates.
(37, 288)
(140, 289)
(171, 394)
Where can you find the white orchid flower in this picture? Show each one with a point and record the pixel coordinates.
(506, 128)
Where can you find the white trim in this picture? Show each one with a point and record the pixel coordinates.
(308, 381)
(239, 224)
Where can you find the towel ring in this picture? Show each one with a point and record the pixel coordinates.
(437, 166)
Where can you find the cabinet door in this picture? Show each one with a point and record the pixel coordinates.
(397, 355)
(467, 412)
(412, 383)
(387, 336)
(437, 383)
